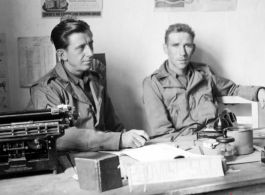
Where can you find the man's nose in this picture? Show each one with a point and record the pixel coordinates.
(182, 50)
(89, 51)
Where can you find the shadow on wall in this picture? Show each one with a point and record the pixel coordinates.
(126, 98)
(202, 55)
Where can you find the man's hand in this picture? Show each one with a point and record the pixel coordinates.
(133, 139)
(261, 97)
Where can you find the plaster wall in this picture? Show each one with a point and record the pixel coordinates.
(131, 35)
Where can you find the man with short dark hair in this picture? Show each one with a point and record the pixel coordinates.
(181, 94)
(74, 82)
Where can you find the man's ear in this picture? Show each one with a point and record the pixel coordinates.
(165, 48)
(61, 53)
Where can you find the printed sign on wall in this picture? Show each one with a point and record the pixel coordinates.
(195, 5)
(58, 8)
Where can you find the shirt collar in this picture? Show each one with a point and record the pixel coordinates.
(75, 79)
(175, 75)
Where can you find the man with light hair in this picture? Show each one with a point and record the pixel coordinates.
(181, 95)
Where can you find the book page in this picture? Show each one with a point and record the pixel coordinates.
(155, 152)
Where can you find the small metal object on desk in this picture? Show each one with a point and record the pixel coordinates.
(201, 150)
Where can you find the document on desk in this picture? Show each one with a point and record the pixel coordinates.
(174, 170)
(155, 152)
(158, 152)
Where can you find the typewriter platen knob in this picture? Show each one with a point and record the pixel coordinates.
(35, 144)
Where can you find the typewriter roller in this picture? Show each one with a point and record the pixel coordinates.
(28, 138)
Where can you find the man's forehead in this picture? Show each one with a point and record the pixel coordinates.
(79, 38)
(177, 36)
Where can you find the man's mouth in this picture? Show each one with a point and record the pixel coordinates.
(182, 60)
(88, 61)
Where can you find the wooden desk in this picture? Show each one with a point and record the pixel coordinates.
(249, 180)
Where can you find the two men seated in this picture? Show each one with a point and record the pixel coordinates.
(177, 95)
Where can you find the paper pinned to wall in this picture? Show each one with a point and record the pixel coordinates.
(58, 8)
(4, 79)
(37, 56)
(195, 5)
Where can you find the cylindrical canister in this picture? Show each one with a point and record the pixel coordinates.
(243, 135)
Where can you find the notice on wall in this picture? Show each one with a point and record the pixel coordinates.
(4, 80)
(36, 56)
(195, 5)
(58, 8)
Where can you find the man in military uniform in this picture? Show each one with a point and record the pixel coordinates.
(74, 82)
(181, 94)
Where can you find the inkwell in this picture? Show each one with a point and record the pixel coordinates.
(224, 148)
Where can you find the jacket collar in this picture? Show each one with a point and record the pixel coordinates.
(77, 93)
(61, 74)
(168, 81)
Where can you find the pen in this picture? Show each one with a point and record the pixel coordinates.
(202, 153)
(159, 135)
(143, 137)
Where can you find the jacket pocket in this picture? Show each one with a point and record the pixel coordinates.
(206, 108)
(177, 113)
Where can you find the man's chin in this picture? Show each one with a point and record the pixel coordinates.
(87, 66)
(182, 65)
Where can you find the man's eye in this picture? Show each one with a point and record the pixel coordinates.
(189, 45)
(91, 45)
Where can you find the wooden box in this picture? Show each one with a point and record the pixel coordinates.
(98, 172)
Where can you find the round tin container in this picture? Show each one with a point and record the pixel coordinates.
(243, 135)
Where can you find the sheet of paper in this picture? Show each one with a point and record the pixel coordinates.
(58, 8)
(118, 153)
(253, 157)
(155, 152)
(36, 56)
(195, 5)
(259, 133)
(4, 78)
(174, 170)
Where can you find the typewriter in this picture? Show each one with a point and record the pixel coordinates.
(28, 139)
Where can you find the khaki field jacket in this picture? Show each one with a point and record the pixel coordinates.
(171, 106)
(96, 128)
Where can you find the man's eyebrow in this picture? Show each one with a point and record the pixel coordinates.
(80, 45)
(83, 44)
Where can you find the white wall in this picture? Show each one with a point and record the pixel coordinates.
(131, 34)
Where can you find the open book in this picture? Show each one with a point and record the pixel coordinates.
(155, 152)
